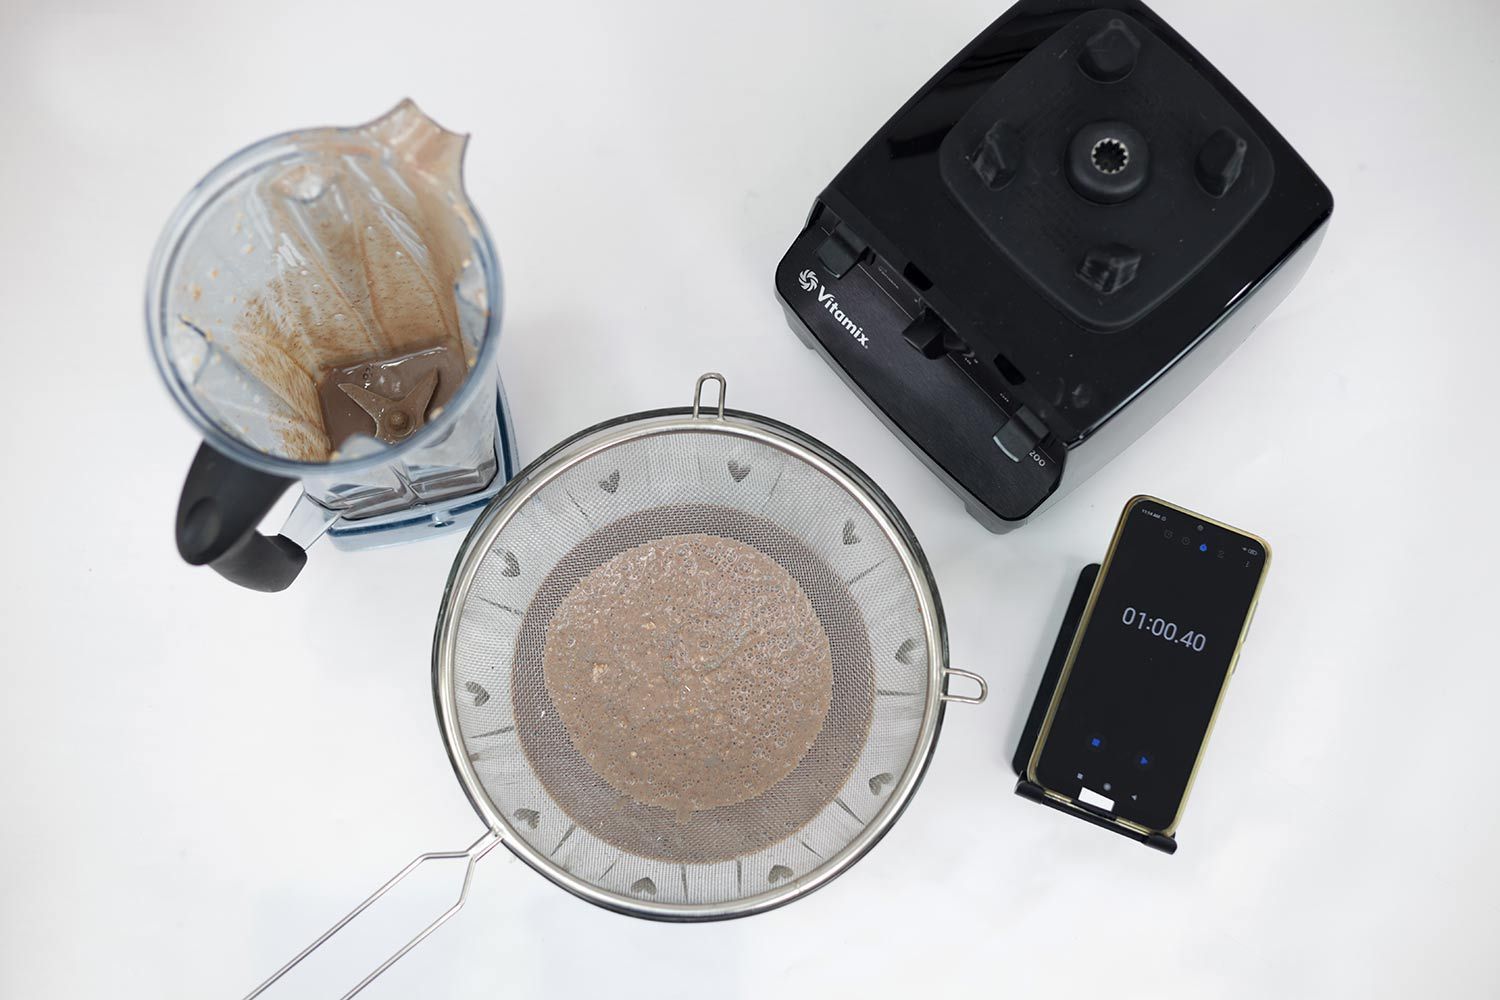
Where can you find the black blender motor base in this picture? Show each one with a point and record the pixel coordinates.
(1048, 247)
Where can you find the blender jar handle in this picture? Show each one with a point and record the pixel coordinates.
(223, 503)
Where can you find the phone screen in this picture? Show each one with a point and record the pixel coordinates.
(1156, 651)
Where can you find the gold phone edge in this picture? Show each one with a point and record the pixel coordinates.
(1083, 622)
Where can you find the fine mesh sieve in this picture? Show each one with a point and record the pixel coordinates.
(690, 665)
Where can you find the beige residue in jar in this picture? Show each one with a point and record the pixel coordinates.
(370, 232)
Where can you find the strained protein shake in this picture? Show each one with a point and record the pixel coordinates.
(691, 672)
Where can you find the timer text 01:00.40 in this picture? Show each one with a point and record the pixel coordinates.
(1163, 629)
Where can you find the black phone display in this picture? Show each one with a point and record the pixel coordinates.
(1137, 698)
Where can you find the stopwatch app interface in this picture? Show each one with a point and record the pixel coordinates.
(1154, 657)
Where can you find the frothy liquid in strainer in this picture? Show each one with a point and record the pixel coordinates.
(690, 671)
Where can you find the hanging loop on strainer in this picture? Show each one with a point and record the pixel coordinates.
(965, 699)
(698, 391)
(690, 664)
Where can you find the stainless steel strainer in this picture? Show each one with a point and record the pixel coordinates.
(642, 488)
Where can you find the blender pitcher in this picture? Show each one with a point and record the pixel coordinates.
(325, 307)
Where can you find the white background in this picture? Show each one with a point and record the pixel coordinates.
(195, 780)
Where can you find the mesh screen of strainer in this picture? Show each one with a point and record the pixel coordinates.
(690, 667)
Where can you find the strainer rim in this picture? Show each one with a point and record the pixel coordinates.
(611, 434)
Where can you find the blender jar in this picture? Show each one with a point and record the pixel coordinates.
(325, 308)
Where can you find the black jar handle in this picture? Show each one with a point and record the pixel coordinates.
(222, 505)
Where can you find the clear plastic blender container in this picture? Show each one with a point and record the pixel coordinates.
(299, 260)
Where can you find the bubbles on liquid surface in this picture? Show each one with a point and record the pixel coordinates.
(690, 672)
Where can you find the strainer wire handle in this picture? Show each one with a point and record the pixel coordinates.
(475, 851)
(698, 392)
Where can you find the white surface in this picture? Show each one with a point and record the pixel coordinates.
(197, 780)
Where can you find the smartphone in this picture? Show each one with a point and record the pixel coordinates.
(1136, 700)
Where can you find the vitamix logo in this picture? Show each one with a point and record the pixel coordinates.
(809, 282)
